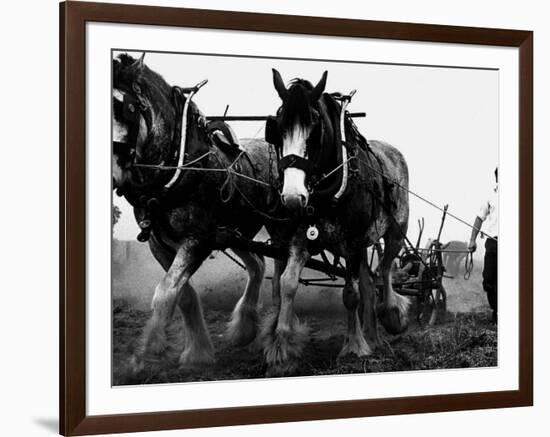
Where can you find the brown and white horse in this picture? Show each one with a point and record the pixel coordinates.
(307, 135)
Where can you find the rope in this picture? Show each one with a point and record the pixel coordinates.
(423, 198)
(334, 170)
(187, 167)
(468, 265)
(260, 212)
(174, 167)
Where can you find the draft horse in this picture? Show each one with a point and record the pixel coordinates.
(169, 167)
(306, 134)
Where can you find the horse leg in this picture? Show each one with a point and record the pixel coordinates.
(243, 326)
(174, 289)
(189, 303)
(393, 311)
(198, 348)
(162, 254)
(284, 342)
(269, 324)
(355, 342)
(278, 269)
(367, 288)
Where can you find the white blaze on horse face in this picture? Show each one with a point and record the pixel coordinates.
(119, 130)
(118, 173)
(294, 192)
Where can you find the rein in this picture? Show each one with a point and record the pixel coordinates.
(229, 186)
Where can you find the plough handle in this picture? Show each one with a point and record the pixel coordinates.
(195, 88)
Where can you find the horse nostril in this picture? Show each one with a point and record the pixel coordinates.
(283, 200)
(303, 200)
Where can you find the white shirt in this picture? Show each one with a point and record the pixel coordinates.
(488, 213)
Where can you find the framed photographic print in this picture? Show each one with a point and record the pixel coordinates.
(271, 218)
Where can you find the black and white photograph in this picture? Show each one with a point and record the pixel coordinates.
(278, 217)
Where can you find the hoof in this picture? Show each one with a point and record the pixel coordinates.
(355, 345)
(283, 349)
(374, 343)
(153, 341)
(394, 318)
(194, 357)
(282, 369)
(243, 327)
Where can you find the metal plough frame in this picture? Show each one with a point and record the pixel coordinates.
(427, 287)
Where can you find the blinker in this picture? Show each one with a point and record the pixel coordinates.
(129, 112)
(272, 135)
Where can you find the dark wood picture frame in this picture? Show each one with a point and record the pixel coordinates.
(73, 18)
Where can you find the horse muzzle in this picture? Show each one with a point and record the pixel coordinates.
(295, 202)
(294, 194)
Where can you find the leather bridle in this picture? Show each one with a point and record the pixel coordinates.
(136, 107)
(133, 108)
(309, 165)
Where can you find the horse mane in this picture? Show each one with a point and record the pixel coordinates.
(297, 108)
(126, 72)
(152, 84)
(353, 136)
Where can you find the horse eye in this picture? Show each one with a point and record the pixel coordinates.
(136, 88)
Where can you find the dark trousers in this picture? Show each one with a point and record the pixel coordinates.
(490, 273)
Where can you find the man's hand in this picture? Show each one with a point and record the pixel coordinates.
(475, 230)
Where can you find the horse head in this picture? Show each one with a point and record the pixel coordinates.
(301, 122)
(143, 122)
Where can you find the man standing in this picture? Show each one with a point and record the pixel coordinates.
(488, 217)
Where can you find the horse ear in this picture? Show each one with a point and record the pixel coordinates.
(279, 84)
(139, 63)
(319, 88)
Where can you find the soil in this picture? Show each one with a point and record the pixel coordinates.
(462, 337)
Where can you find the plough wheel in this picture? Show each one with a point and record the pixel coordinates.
(431, 306)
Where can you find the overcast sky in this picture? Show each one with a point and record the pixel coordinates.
(444, 121)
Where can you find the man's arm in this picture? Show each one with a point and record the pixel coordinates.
(475, 231)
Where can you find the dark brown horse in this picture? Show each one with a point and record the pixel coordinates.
(348, 217)
(185, 214)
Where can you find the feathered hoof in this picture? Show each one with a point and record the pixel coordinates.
(153, 341)
(282, 369)
(283, 349)
(355, 345)
(136, 364)
(197, 357)
(243, 327)
(394, 318)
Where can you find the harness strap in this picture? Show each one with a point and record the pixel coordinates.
(181, 156)
(345, 167)
(295, 161)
